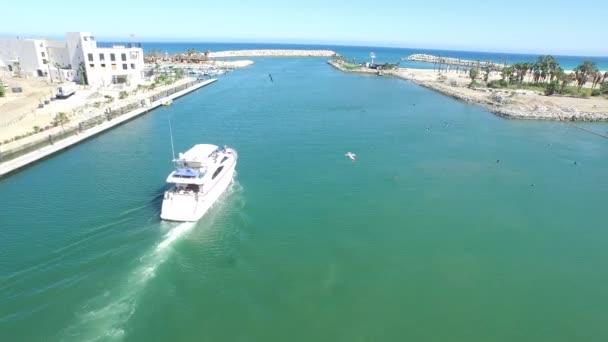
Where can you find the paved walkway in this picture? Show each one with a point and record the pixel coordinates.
(16, 164)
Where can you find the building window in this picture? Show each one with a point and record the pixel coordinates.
(90, 57)
(124, 67)
(113, 66)
(103, 65)
(112, 57)
(132, 65)
(44, 61)
(134, 54)
(102, 57)
(43, 54)
(91, 65)
(123, 57)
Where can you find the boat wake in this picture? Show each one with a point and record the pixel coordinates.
(104, 317)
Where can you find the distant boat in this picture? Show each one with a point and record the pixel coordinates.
(201, 175)
(351, 155)
(167, 102)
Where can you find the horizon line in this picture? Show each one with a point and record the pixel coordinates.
(302, 43)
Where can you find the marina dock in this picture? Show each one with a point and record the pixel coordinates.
(13, 165)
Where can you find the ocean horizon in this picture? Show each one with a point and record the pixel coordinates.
(384, 54)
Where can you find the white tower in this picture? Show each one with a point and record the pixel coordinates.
(372, 56)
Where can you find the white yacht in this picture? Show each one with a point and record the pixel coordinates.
(201, 175)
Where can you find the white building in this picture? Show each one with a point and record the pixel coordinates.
(78, 58)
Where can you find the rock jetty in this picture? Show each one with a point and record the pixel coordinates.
(421, 57)
(272, 53)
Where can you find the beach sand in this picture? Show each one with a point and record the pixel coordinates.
(520, 104)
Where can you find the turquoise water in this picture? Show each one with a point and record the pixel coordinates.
(425, 238)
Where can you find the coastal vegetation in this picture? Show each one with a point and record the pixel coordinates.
(350, 64)
(473, 74)
(82, 74)
(2, 91)
(60, 119)
(547, 76)
(169, 77)
(152, 56)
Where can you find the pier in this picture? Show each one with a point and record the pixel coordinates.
(48, 147)
(449, 62)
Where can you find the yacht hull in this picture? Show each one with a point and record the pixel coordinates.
(190, 208)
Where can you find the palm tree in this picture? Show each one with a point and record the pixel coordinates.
(486, 75)
(506, 73)
(60, 119)
(552, 67)
(564, 79)
(597, 78)
(536, 71)
(524, 70)
(190, 53)
(473, 73)
(82, 74)
(206, 53)
(153, 55)
(583, 71)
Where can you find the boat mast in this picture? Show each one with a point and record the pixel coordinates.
(171, 135)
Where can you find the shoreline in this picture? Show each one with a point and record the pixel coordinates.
(14, 165)
(507, 103)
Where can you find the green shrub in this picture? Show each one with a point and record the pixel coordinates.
(584, 92)
(498, 84)
(2, 91)
(551, 88)
(596, 92)
(604, 88)
(123, 95)
(473, 84)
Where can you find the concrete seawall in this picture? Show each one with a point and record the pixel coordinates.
(14, 165)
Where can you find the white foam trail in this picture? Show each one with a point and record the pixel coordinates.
(103, 321)
(173, 235)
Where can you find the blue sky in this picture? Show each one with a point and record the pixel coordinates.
(556, 27)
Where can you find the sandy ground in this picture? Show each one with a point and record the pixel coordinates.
(86, 103)
(17, 108)
(522, 104)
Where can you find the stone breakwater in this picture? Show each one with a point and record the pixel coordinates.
(513, 104)
(272, 53)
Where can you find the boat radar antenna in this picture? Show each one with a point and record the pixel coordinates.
(171, 135)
